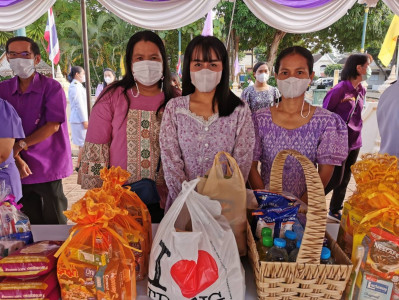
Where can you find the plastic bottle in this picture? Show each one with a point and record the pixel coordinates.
(260, 244)
(325, 257)
(266, 231)
(294, 253)
(277, 252)
(290, 239)
(264, 247)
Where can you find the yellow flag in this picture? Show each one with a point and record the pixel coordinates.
(388, 47)
(122, 66)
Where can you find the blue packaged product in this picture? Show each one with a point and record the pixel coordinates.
(271, 200)
(277, 219)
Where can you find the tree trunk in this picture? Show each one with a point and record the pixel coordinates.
(278, 36)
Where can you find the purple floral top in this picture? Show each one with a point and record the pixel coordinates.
(189, 143)
(257, 100)
(324, 140)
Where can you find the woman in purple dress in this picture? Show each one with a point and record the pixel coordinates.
(10, 129)
(318, 134)
(208, 118)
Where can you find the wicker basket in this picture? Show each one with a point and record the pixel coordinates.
(306, 278)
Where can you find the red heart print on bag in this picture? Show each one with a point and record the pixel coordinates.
(194, 277)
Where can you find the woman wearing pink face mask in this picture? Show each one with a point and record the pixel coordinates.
(125, 121)
(208, 118)
(294, 124)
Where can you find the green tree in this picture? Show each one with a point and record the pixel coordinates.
(329, 70)
(345, 34)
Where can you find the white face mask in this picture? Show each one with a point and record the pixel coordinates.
(22, 67)
(147, 72)
(293, 87)
(262, 77)
(205, 80)
(108, 79)
(83, 78)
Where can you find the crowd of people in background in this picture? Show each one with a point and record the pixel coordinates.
(165, 132)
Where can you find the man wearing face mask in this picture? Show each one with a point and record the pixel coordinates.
(260, 95)
(43, 157)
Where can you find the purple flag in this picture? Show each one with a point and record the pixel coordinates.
(236, 66)
(302, 3)
(4, 3)
(208, 26)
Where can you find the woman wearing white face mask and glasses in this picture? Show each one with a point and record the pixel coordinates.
(260, 95)
(294, 124)
(208, 118)
(78, 117)
(125, 121)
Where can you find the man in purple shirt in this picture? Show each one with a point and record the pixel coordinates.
(43, 157)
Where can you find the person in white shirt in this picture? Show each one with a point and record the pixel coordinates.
(388, 121)
(79, 118)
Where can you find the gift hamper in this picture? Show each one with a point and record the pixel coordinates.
(306, 278)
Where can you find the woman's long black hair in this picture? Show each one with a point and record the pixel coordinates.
(127, 82)
(226, 100)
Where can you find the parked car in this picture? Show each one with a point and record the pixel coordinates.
(327, 81)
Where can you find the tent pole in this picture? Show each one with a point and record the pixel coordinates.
(86, 52)
(231, 24)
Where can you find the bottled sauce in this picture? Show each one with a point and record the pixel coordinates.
(325, 257)
(264, 246)
(290, 239)
(294, 253)
(277, 252)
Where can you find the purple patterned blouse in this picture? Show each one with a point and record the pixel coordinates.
(323, 140)
(189, 143)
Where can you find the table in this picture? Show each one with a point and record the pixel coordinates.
(61, 233)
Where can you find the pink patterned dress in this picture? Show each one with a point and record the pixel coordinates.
(130, 141)
(189, 143)
(323, 140)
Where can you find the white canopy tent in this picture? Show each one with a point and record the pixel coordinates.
(171, 14)
(286, 15)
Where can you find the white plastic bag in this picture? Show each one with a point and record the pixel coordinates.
(199, 264)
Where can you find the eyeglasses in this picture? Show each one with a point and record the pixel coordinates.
(24, 54)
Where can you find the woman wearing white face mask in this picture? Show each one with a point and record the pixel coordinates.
(109, 77)
(79, 117)
(294, 124)
(125, 121)
(208, 118)
(260, 95)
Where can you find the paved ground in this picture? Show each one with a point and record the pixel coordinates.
(73, 191)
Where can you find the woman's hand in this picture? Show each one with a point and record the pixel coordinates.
(85, 125)
(255, 181)
(23, 168)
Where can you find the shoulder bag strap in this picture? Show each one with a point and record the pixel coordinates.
(353, 110)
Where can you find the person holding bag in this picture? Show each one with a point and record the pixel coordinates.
(208, 118)
(347, 99)
(125, 121)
